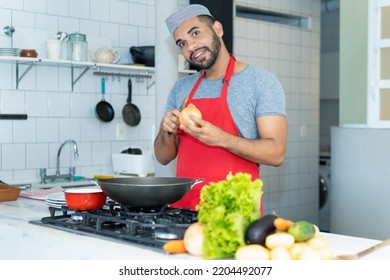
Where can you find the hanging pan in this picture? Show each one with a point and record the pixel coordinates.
(130, 112)
(104, 110)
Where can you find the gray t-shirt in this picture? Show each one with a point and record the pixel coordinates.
(252, 93)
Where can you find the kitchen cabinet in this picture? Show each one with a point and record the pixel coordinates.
(22, 240)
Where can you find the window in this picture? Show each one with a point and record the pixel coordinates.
(379, 56)
(273, 17)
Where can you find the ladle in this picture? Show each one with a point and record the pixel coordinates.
(9, 30)
(61, 36)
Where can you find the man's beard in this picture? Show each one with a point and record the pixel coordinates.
(214, 52)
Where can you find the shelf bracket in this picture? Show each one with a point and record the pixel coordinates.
(18, 79)
(74, 81)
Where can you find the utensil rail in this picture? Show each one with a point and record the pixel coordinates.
(138, 77)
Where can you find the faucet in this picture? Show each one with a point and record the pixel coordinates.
(58, 174)
(75, 153)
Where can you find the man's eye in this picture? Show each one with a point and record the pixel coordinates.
(181, 44)
(195, 33)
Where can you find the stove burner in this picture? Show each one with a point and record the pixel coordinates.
(165, 234)
(151, 226)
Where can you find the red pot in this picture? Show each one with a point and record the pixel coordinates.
(85, 198)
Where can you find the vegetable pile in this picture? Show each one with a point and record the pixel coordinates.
(227, 208)
(284, 240)
(229, 226)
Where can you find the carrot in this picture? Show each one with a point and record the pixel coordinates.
(282, 224)
(175, 247)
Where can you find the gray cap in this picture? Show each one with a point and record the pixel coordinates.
(182, 15)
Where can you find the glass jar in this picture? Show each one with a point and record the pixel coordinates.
(77, 47)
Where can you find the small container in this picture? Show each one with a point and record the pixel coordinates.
(77, 47)
(28, 53)
(8, 193)
(85, 198)
(141, 165)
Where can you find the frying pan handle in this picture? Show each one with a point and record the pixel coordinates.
(197, 181)
(103, 85)
(129, 86)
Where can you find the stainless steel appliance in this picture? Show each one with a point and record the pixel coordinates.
(324, 193)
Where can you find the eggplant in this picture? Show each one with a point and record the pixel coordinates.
(258, 230)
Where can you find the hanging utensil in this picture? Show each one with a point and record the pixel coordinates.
(61, 35)
(130, 112)
(9, 30)
(104, 110)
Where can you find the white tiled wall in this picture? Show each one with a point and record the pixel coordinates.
(293, 54)
(56, 114)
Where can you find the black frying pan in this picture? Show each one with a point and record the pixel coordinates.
(104, 110)
(130, 112)
(146, 191)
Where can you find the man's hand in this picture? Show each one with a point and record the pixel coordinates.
(170, 122)
(204, 131)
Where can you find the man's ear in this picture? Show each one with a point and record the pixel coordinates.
(218, 28)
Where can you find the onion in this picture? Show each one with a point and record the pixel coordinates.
(189, 110)
(193, 239)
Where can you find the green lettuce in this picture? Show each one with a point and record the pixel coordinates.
(227, 208)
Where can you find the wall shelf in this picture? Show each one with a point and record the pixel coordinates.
(24, 65)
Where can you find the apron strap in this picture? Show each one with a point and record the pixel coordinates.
(228, 76)
(225, 81)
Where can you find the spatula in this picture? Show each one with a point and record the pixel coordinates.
(364, 252)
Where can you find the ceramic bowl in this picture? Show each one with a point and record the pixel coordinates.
(85, 198)
(28, 53)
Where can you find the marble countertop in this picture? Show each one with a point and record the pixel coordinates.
(22, 240)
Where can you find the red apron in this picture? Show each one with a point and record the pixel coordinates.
(198, 160)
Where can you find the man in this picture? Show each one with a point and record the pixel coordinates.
(243, 120)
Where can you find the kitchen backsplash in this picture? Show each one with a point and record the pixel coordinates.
(56, 113)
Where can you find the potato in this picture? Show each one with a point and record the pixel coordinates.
(317, 230)
(252, 252)
(325, 253)
(318, 241)
(309, 253)
(279, 239)
(296, 250)
(280, 253)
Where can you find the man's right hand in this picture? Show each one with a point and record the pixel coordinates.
(170, 123)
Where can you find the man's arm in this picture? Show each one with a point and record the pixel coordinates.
(165, 144)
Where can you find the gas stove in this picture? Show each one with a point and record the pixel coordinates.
(151, 227)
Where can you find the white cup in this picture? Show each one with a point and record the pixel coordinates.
(53, 48)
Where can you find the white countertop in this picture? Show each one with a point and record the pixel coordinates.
(21, 240)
